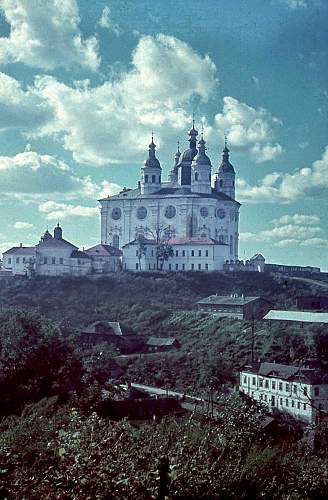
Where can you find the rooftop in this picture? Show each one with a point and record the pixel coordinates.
(161, 341)
(102, 250)
(287, 372)
(227, 300)
(298, 316)
(110, 327)
(20, 250)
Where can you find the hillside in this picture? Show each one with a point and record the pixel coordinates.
(164, 305)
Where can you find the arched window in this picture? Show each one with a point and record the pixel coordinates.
(221, 183)
(196, 176)
(153, 179)
(116, 241)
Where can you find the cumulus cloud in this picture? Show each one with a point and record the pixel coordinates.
(280, 187)
(250, 129)
(290, 230)
(45, 34)
(34, 175)
(21, 109)
(56, 211)
(106, 22)
(112, 122)
(22, 225)
(294, 4)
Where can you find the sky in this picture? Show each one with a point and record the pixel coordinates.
(83, 84)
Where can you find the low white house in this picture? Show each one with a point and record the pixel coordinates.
(302, 392)
(105, 258)
(19, 260)
(187, 254)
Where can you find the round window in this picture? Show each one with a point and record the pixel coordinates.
(116, 213)
(204, 211)
(142, 213)
(170, 212)
(220, 213)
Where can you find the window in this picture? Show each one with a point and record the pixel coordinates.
(287, 387)
(304, 406)
(183, 253)
(149, 266)
(221, 239)
(170, 212)
(17, 260)
(196, 176)
(273, 384)
(192, 267)
(116, 241)
(9, 260)
(192, 253)
(298, 405)
(137, 266)
(146, 178)
(183, 267)
(78, 261)
(23, 260)
(286, 402)
(152, 253)
(295, 389)
(206, 253)
(153, 179)
(280, 386)
(316, 391)
(176, 267)
(293, 403)
(221, 183)
(206, 267)
(116, 213)
(53, 260)
(265, 397)
(177, 253)
(261, 397)
(261, 382)
(137, 253)
(254, 380)
(45, 260)
(199, 267)
(61, 260)
(266, 384)
(142, 213)
(245, 379)
(281, 403)
(199, 253)
(170, 267)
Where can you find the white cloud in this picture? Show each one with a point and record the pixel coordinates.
(298, 219)
(112, 122)
(290, 230)
(280, 187)
(56, 211)
(249, 129)
(21, 109)
(294, 4)
(22, 225)
(106, 22)
(31, 175)
(45, 34)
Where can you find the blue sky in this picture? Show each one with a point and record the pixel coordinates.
(82, 84)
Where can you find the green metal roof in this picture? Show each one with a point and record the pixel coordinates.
(299, 316)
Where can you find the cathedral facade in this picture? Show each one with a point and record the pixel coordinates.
(185, 210)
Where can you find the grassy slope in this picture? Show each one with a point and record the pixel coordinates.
(213, 348)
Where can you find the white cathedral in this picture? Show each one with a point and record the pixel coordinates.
(198, 221)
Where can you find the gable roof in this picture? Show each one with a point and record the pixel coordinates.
(227, 300)
(111, 327)
(257, 256)
(299, 316)
(77, 254)
(102, 250)
(55, 243)
(20, 250)
(287, 372)
(161, 341)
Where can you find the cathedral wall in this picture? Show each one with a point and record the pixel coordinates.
(122, 219)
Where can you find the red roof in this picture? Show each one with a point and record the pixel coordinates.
(194, 240)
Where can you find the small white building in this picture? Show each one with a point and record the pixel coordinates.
(19, 260)
(186, 254)
(299, 391)
(105, 258)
